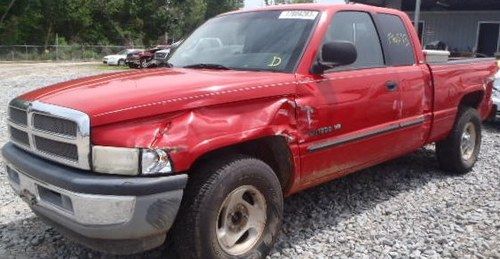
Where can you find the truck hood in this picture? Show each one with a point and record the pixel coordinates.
(115, 97)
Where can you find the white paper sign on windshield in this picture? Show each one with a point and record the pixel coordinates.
(304, 15)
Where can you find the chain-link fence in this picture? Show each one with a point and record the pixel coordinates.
(57, 52)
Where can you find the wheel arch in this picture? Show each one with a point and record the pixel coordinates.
(472, 99)
(272, 150)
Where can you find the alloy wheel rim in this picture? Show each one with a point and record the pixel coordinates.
(468, 141)
(241, 220)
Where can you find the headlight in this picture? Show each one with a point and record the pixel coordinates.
(130, 161)
(155, 162)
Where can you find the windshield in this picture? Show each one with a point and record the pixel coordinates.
(264, 40)
(123, 52)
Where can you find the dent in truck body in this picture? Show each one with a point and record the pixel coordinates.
(190, 134)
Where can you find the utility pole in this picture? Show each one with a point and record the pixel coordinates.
(416, 21)
(57, 46)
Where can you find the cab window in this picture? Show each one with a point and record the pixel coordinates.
(397, 44)
(358, 28)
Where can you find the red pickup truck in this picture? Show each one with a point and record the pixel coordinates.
(256, 105)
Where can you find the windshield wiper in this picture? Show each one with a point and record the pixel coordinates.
(207, 66)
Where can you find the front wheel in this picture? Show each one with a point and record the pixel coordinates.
(460, 150)
(132, 65)
(231, 210)
(143, 63)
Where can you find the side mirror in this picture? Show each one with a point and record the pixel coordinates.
(333, 54)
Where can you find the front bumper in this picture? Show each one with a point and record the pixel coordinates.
(114, 214)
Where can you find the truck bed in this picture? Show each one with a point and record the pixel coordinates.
(452, 81)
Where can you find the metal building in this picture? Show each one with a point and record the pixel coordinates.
(465, 26)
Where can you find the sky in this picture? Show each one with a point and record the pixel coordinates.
(259, 3)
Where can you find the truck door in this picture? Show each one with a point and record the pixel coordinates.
(352, 111)
(415, 81)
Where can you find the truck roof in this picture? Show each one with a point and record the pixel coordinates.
(321, 7)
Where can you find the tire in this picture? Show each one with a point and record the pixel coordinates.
(143, 63)
(207, 219)
(121, 62)
(456, 154)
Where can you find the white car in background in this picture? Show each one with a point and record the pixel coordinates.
(119, 58)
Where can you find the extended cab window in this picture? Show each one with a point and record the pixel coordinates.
(358, 28)
(396, 41)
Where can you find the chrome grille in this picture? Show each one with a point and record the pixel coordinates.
(19, 136)
(65, 150)
(56, 133)
(18, 116)
(54, 125)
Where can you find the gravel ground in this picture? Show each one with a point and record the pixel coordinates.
(405, 208)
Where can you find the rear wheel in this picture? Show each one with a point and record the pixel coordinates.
(121, 62)
(230, 210)
(460, 150)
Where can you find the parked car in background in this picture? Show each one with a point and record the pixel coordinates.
(119, 58)
(144, 59)
(162, 56)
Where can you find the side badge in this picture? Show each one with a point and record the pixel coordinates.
(325, 130)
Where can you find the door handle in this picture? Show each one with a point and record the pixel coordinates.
(391, 86)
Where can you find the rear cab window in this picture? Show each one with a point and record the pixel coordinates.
(397, 44)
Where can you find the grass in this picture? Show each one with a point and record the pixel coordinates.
(111, 68)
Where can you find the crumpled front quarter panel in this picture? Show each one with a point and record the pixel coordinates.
(190, 134)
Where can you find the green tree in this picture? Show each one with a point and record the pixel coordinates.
(215, 7)
(116, 22)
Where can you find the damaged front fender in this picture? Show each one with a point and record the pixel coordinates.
(188, 135)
